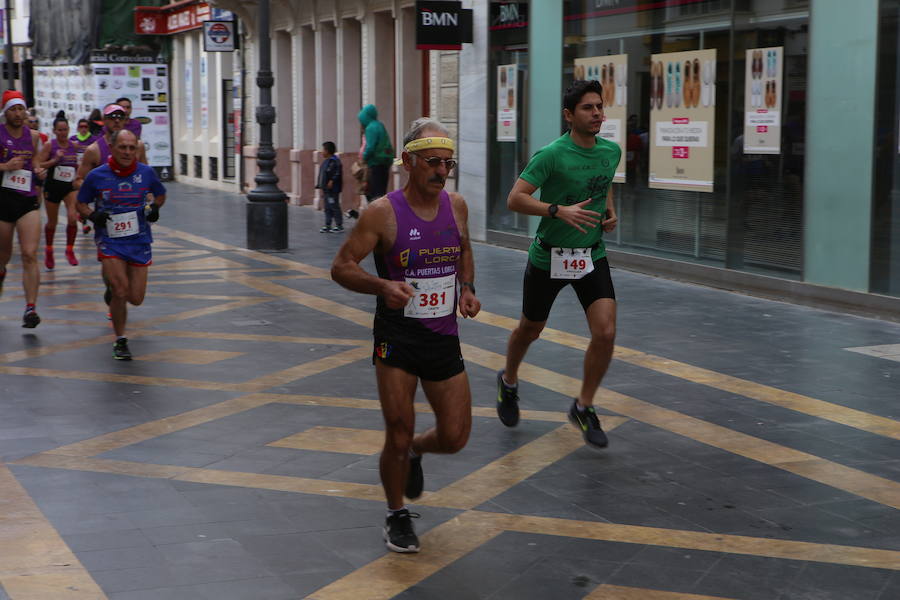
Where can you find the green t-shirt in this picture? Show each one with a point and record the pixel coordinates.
(568, 174)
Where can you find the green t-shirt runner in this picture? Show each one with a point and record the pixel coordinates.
(568, 174)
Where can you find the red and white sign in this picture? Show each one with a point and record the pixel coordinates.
(169, 19)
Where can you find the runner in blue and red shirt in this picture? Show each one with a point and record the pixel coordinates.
(127, 196)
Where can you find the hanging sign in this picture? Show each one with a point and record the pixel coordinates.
(442, 25)
(612, 73)
(219, 36)
(763, 91)
(682, 120)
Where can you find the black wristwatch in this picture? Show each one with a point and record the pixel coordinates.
(467, 284)
(552, 210)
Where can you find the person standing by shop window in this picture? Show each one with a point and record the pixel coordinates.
(378, 153)
(574, 174)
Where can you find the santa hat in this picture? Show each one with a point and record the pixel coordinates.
(12, 98)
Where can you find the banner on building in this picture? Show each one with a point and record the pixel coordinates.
(682, 120)
(204, 93)
(79, 89)
(763, 91)
(507, 98)
(189, 95)
(612, 73)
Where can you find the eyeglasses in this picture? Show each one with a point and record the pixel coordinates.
(434, 161)
(115, 117)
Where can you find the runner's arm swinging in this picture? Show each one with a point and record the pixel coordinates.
(363, 240)
(521, 200)
(469, 305)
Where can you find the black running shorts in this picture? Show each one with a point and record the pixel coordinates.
(56, 191)
(539, 291)
(435, 359)
(14, 206)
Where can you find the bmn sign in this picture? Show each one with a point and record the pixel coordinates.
(442, 25)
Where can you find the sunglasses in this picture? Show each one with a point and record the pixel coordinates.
(115, 116)
(434, 161)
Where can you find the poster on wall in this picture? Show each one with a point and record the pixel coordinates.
(612, 73)
(682, 120)
(147, 86)
(507, 92)
(763, 91)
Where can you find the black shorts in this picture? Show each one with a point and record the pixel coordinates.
(14, 206)
(539, 291)
(56, 191)
(436, 359)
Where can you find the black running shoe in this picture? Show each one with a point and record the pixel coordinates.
(415, 479)
(399, 534)
(589, 424)
(507, 402)
(120, 350)
(30, 320)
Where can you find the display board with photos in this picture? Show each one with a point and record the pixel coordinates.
(78, 90)
(682, 120)
(612, 73)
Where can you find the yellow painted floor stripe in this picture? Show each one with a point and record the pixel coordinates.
(35, 562)
(513, 468)
(878, 489)
(857, 556)
(734, 385)
(619, 592)
(306, 369)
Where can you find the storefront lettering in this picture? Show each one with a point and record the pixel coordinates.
(439, 19)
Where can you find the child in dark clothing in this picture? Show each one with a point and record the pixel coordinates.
(329, 181)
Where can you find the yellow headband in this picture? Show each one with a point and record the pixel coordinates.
(440, 143)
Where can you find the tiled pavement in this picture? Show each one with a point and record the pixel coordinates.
(752, 456)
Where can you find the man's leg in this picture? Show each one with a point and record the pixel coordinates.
(601, 317)
(71, 227)
(7, 230)
(115, 274)
(519, 340)
(137, 284)
(396, 390)
(28, 228)
(451, 401)
(52, 209)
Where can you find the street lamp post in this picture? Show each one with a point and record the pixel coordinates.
(266, 207)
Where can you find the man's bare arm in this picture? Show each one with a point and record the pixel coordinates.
(468, 304)
(370, 233)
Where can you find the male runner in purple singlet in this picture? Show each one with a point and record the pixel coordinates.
(420, 239)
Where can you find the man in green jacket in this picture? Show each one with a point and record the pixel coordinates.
(378, 153)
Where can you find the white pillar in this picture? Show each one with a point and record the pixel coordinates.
(473, 142)
(349, 85)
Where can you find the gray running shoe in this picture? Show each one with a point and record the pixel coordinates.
(120, 350)
(589, 424)
(507, 402)
(399, 534)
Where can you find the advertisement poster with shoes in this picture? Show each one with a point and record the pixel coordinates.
(682, 120)
(762, 100)
(612, 73)
(507, 93)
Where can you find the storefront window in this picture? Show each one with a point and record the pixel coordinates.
(507, 111)
(713, 169)
(885, 273)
